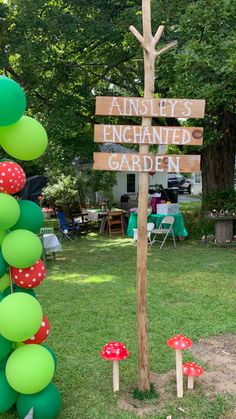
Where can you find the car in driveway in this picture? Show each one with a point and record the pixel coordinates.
(176, 180)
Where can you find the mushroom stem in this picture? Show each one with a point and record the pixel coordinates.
(190, 382)
(115, 375)
(179, 373)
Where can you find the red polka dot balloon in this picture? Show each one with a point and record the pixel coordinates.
(29, 277)
(12, 177)
(42, 334)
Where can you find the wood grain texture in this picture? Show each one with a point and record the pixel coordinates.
(139, 106)
(146, 162)
(136, 134)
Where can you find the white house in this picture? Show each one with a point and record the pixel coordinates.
(128, 182)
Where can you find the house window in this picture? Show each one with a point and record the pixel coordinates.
(197, 177)
(131, 182)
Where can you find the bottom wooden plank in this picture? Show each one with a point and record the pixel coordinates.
(146, 162)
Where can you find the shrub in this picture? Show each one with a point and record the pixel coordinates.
(197, 224)
(222, 200)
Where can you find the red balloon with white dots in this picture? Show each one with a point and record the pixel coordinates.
(12, 177)
(42, 334)
(29, 277)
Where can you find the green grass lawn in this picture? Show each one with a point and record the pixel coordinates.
(89, 296)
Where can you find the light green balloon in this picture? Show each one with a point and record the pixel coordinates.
(4, 282)
(25, 140)
(30, 369)
(20, 316)
(2, 235)
(21, 248)
(12, 101)
(9, 211)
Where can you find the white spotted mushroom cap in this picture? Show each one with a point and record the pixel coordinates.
(179, 342)
(114, 351)
(193, 369)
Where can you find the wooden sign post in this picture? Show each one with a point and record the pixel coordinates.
(143, 162)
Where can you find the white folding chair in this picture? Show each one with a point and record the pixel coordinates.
(164, 229)
(150, 227)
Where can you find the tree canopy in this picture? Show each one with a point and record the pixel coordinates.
(64, 53)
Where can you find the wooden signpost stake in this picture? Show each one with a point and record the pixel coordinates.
(147, 107)
(148, 43)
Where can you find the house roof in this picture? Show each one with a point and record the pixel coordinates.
(116, 148)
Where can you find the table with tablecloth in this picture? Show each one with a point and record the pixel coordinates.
(51, 243)
(178, 227)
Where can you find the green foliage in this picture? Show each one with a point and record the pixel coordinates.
(66, 53)
(145, 395)
(223, 200)
(197, 224)
(66, 191)
(103, 181)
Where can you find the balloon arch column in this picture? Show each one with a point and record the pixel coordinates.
(27, 365)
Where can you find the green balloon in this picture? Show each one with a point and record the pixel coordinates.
(29, 291)
(3, 266)
(4, 282)
(20, 316)
(1, 298)
(25, 140)
(52, 353)
(8, 396)
(46, 403)
(3, 363)
(2, 236)
(31, 217)
(12, 101)
(21, 248)
(9, 211)
(30, 369)
(5, 347)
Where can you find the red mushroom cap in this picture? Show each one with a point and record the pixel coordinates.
(179, 342)
(191, 368)
(114, 351)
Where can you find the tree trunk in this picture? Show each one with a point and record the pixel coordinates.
(218, 160)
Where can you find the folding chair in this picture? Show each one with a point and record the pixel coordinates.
(164, 229)
(115, 222)
(67, 230)
(150, 227)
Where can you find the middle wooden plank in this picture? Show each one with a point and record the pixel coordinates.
(136, 134)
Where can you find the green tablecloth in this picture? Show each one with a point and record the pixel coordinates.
(179, 228)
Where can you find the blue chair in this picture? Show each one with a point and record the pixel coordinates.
(67, 230)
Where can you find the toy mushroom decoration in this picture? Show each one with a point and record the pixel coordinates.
(179, 342)
(191, 369)
(115, 352)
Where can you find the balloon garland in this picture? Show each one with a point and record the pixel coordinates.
(27, 365)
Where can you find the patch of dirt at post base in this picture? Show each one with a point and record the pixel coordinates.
(217, 354)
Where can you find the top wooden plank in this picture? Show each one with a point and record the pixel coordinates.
(138, 106)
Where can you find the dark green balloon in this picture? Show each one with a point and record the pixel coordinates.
(5, 347)
(30, 291)
(12, 101)
(8, 396)
(46, 403)
(3, 363)
(31, 217)
(52, 353)
(1, 297)
(3, 265)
